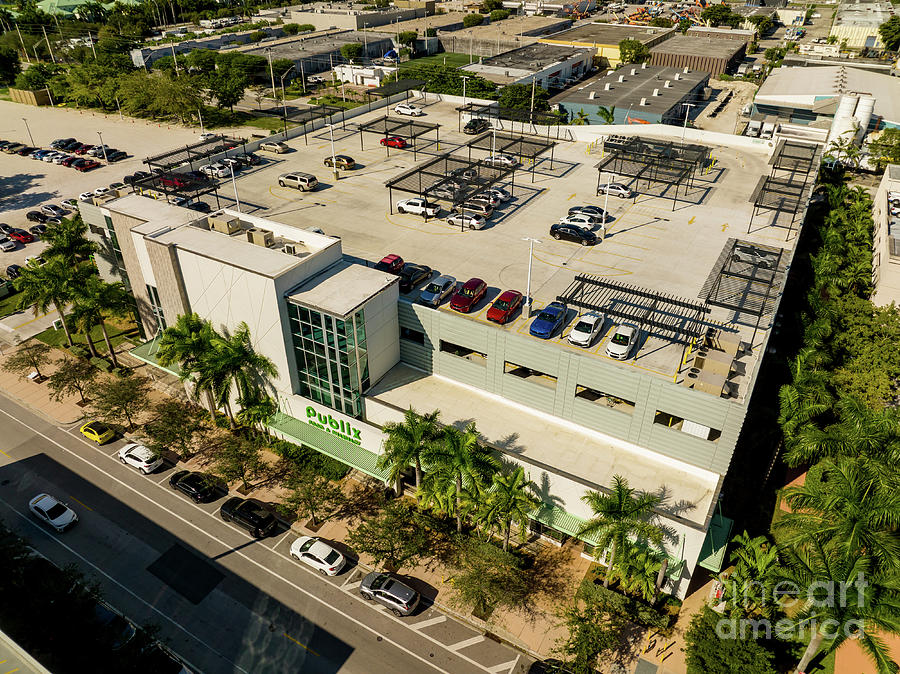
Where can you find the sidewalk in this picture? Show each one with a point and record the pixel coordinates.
(37, 395)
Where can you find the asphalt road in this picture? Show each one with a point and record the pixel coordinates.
(223, 601)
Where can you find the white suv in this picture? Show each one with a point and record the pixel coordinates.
(418, 207)
(408, 109)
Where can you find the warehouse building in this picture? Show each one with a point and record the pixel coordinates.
(857, 23)
(604, 38)
(735, 34)
(551, 66)
(316, 54)
(636, 95)
(714, 56)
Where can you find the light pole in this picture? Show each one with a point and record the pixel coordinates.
(687, 110)
(531, 241)
(234, 185)
(271, 72)
(200, 117)
(334, 167)
(103, 146)
(28, 130)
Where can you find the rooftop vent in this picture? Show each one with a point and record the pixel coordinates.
(656, 92)
(643, 101)
(224, 224)
(634, 71)
(644, 65)
(687, 70)
(593, 95)
(621, 78)
(668, 84)
(260, 237)
(677, 76)
(606, 87)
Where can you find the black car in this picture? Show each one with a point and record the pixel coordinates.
(249, 514)
(247, 158)
(78, 162)
(35, 216)
(38, 230)
(573, 233)
(26, 150)
(134, 177)
(69, 144)
(199, 487)
(476, 126)
(6, 229)
(115, 155)
(14, 271)
(60, 143)
(412, 275)
(199, 206)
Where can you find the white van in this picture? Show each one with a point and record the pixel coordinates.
(305, 182)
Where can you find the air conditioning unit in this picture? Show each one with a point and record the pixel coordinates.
(291, 248)
(260, 237)
(225, 224)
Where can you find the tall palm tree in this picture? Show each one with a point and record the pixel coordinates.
(638, 571)
(187, 343)
(618, 516)
(50, 284)
(581, 118)
(409, 441)
(94, 300)
(257, 411)
(68, 240)
(608, 115)
(460, 459)
(510, 500)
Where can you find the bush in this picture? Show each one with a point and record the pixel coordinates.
(306, 457)
(258, 35)
(101, 364)
(499, 14)
(291, 28)
(471, 20)
(636, 610)
(78, 351)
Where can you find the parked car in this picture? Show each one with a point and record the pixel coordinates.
(274, 146)
(418, 206)
(412, 275)
(199, 206)
(549, 320)
(247, 158)
(40, 154)
(469, 295)
(474, 207)
(249, 514)
(199, 487)
(216, 170)
(475, 126)
(59, 143)
(71, 204)
(501, 194)
(69, 160)
(390, 263)
(75, 147)
(51, 156)
(53, 210)
(86, 196)
(500, 161)
(573, 233)
(21, 236)
(35, 216)
(305, 182)
(54, 512)
(586, 329)
(754, 256)
(26, 150)
(117, 629)
(12, 148)
(140, 457)
(173, 180)
(38, 230)
(580, 220)
(394, 141)
(97, 150)
(7, 245)
(232, 164)
(437, 290)
(408, 109)
(135, 177)
(318, 554)
(398, 597)
(467, 174)
(101, 191)
(342, 161)
(485, 198)
(594, 211)
(97, 431)
(505, 306)
(83, 148)
(620, 344)
(615, 190)
(467, 220)
(116, 186)
(14, 271)
(87, 165)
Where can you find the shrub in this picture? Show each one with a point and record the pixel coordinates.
(499, 14)
(306, 457)
(101, 364)
(78, 351)
(471, 20)
(291, 28)
(636, 610)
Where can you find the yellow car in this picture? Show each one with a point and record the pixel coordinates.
(97, 431)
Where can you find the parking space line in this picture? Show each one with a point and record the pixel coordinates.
(428, 623)
(289, 532)
(349, 587)
(466, 643)
(505, 667)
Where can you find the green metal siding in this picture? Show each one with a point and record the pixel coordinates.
(601, 418)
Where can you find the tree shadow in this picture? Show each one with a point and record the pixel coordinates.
(15, 195)
(361, 503)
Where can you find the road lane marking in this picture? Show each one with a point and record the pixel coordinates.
(81, 504)
(428, 623)
(252, 561)
(466, 643)
(303, 646)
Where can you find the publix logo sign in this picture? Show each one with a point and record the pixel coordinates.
(339, 427)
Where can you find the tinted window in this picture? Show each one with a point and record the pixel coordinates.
(56, 511)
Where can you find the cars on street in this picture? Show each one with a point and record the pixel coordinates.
(199, 487)
(14, 271)
(418, 206)
(391, 263)
(467, 220)
(97, 431)
(388, 591)
(53, 210)
(305, 182)
(615, 190)
(118, 630)
(475, 126)
(437, 290)
(500, 161)
(408, 109)
(274, 146)
(573, 233)
(549, 320)
(393, 141)
(412, 275)
(505, 306)
(318, 554)
(468, 296)
(586, 329)
(249, 514)
(622, 341)
(52, 511)
(594, 211)
(140, 457)
(342, 161)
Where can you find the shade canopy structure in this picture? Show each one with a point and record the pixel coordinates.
(407, 128)
(527, 119)
(794, 157)
(779, 196)
(194, 154)
(526, 149)
(397, 87)
(302, 115)
(712, 552)
(169, 185)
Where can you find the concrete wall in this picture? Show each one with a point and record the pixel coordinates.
(885, 266)
(353, 20)
(382, 328)
(29, 97)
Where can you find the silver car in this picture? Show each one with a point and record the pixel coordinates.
(437, 291)
(400, 598)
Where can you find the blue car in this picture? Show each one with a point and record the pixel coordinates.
(550, 318)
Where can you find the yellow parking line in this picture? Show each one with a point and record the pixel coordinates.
(419, 229)
(12, 670)
(8, 457)
(80, 503)
(571, 196)
(306, 648)
(22, 325)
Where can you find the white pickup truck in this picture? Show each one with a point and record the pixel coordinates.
(418, 207)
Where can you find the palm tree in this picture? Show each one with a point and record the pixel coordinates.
(581, 118)
(459, 459)
(50, 284)
(748, 589)
(618, 516)
(638, 571)
(608, 115)
(408, 442)
(68, 240)
(187, 344)
(510, 500)
(841, 594)
(95, 299)
(256, 412)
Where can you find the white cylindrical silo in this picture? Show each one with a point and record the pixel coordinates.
(844, 122)
(864, 115)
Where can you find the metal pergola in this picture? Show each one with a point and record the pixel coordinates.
(303, 115)
(406, 128)
(171, 184)
(449, 178)
(521, 147)
(397, 87)
(525, 118)
(781, 196)
(794, 157)
(195, 152)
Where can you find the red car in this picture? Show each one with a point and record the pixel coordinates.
(21, 236)
(469, 295)
(83, 149)
(68, 161)
(505, 306)
(394, 141)
(172, 181)
(392, 264)
(87, 165)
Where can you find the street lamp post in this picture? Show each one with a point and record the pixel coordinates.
(103, 147)
(334, 167)
(28, 130)
(234, 185)
(687, 110)
(531, 241)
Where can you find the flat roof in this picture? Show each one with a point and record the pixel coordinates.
(542, 439)
(869, 14)
(302, 46)
(698, 46)
(156, 213)
(532, 57)
(609, 34)
(342, 288)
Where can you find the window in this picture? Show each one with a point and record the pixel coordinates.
(156, 307)
(547, 532)
(607, 399)
(413, 336)
(685, 426)
(530, 374)
(464, 352)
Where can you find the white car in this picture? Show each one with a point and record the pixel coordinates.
(586, 329)
(615, 190)
(408, 109)
(7, 244)
(502, 195)
(418, 206)
(60, 158)
(140, 457)
(51, 156)
(216, 170)
(580, 220)
(501, 160)
(620, 344)
(207, 136)
(52, 511)
(86, 196)
(321, 556)
(468, 221)
(100, 191)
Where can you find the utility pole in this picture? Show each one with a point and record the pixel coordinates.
(533, 86)
(531, 241)
(271, 72)
(49, 48)
(103, 146)
(30, 137)
(91, 40)
(334, 167)
(687, 110)
(464, 78)
(174, 58)
(24, 50)
(302, 77)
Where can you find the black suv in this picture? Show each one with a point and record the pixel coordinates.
(476, 126)
(249, 514)
(199, 487)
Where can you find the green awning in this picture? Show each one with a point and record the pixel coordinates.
(146, 353)
(712, 553)
(559, 519)
(330, 445)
